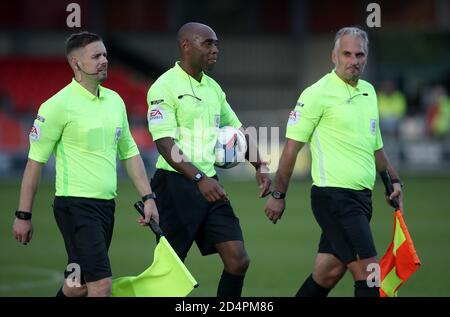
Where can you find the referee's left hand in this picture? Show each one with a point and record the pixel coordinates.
(274, 209)
(398, 194)
(150, 212)
(263, 180)
(22, 230)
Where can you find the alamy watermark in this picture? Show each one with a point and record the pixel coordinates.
(198, 144)
(373, 279)
(73, 20)
(374, 18)
(73, 279)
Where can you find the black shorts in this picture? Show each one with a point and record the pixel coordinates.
(344, 216)
(186, 216)
(86, 225)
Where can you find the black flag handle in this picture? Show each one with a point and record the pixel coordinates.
(139, 205)
(386, 178)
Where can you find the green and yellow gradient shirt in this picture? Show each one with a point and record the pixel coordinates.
(85, 133)
(342, 126)
(189, 112)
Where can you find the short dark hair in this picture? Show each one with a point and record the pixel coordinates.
(78, 40)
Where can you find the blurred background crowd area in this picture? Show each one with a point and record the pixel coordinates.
(270, 50)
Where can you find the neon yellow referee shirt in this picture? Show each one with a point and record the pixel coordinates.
(189, 112)
(85, 133)
(341, 123)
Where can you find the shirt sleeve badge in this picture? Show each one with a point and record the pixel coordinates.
(35, 133)
(155, 116)
(294, 116)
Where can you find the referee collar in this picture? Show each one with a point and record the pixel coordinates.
(182, 73)
(338, 80)
(83, 91)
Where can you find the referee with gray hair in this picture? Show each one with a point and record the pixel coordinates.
(338, 116)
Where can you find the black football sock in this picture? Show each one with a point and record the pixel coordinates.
(310, 288)
(230, 285)
(363, 290)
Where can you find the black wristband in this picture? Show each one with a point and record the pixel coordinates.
(148, 196)
(24, 215)
(396, 180)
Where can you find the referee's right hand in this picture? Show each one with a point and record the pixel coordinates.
(22, 230)
(211, 189)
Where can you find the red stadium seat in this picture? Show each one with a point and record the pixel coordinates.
(13, 136)
(29, 81)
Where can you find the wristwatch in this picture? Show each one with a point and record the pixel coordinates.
(278, 195)
(148, 196)
(198, 176)
(24, 215)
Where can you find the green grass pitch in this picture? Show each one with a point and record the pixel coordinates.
(281, 255)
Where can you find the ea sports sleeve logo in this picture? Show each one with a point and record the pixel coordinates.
(155, 116)
(35, 133)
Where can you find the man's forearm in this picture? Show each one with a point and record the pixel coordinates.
(383, 164)
(286, 165)
(392, 172)
(136, 171)
(29, 185)
(167, 148)
(252, 149)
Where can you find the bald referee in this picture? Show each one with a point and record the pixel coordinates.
(338, 116)
(186, 107)
(85, 126)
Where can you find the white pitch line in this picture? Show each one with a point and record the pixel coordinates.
(39, 277)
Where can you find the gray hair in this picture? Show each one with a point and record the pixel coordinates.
(355, 32)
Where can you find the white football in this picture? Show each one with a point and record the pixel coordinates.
(231, 147)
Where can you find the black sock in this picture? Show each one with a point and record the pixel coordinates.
(363, 290)
(230, 285)
(310, 288)
(60, 293)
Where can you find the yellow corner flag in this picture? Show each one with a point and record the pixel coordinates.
(400, 260)
(166, 277)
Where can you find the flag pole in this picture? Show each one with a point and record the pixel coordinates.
(139, 205)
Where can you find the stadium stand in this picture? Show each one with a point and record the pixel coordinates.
(29, 81)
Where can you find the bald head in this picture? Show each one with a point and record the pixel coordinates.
(198, 46)
(192, 31)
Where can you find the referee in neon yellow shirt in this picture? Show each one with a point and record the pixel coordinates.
(186, 106)
(338, 116)
(85, 126)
